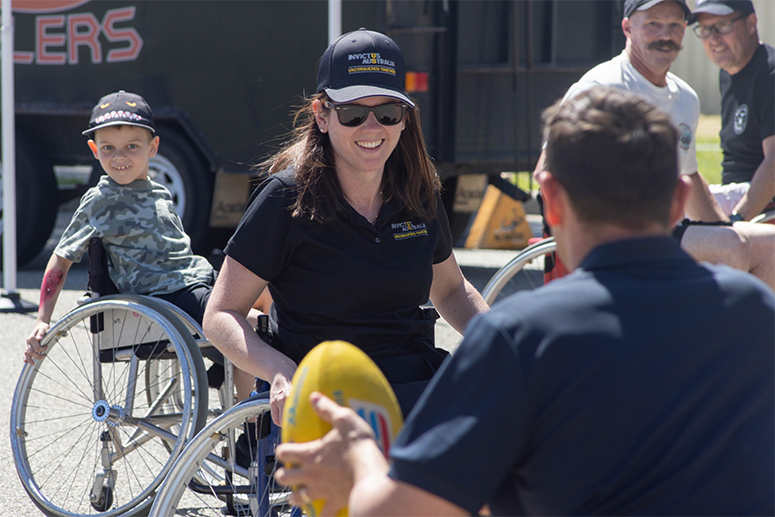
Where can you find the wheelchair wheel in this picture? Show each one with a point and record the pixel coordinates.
(86, 438)
(525, 271)
(235, 490)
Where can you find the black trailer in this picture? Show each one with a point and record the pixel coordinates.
(224, 75)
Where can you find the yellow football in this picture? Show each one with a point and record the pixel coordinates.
(345, 374)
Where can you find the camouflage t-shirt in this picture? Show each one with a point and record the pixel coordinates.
(148, 249)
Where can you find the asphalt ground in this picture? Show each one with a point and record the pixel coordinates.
(477, 265)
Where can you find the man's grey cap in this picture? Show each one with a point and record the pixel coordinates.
(723, 7)
(630, 6)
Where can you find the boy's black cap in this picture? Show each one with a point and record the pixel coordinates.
(723, 7)
(121, 108)
(630, 6)
(362, 64)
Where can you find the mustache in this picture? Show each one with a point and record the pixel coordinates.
(665, 45)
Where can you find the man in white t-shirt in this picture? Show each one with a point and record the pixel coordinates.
(654, 30)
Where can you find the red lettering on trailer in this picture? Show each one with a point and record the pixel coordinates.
(45, 6)
(46, 40)
(127, 34)
(82, 30)
(23, 57)
(79, 37)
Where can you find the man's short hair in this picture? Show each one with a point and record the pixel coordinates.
(615, 154)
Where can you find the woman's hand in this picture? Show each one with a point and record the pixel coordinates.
(278, 394)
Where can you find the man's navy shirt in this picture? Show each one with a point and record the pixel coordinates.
(642, 383)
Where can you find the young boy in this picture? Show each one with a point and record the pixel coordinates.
(149, 251)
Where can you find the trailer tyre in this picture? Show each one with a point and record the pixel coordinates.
(180, 167)
(37, 201)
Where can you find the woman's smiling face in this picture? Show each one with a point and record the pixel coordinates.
(364, 148)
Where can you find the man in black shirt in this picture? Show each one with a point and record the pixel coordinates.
(728, 32)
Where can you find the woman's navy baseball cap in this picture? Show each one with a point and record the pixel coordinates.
(362, 64)
(121, 108)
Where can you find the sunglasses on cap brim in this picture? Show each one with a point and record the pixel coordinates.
(353, 115)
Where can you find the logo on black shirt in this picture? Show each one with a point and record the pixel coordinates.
(408, 230)
(741, 119)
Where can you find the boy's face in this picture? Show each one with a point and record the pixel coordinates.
(124, 151)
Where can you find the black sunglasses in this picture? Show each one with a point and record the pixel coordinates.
(353, 115)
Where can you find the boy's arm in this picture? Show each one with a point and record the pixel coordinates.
(53, 281)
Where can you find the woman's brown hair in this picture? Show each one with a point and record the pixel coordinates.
(409, 174)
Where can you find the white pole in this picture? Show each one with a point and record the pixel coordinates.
(334, 20)
(9, 151)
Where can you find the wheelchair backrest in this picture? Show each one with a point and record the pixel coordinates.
(99, 278)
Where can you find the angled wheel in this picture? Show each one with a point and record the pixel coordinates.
(525, 271)
(235, 490)
(86, 438)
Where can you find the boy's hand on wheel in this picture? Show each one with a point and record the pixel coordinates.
(34, 350)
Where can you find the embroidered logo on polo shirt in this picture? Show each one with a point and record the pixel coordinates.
(408, 229)
(684, 136)
(741, 119)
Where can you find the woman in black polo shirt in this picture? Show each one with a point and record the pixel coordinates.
(349, 233)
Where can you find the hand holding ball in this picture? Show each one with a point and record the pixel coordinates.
(345, 374)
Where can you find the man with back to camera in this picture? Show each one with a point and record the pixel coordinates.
(728, 32)
(654, 30)
(642, 383)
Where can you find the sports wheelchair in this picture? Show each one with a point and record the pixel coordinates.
(97, 425)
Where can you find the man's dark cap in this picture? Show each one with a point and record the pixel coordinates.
(723, 7)
(360, 64)
(630, 6)
(121, 108)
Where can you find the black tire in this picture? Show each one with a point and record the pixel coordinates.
(37, 201)
(106, 500)
(180, 167)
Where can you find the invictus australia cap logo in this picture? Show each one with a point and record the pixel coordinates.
(369, 62)
(684, 136)
(741, 119)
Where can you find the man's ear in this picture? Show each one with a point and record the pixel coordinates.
(93, 147)
(750, 23)
(153, 148)
(682, 190)
(553, 196)
(626, 26)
